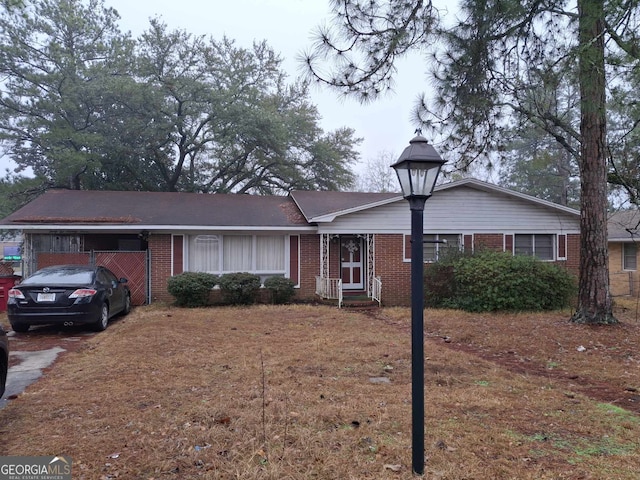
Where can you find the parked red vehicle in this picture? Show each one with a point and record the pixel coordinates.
(68, 295)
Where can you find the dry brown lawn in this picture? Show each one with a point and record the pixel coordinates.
(294, 392)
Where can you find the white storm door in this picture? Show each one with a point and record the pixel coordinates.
(352, 263)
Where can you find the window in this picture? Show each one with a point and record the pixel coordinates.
(260, 254)
(204, 253)
(105, 278)
(540, 246)
(238, 253)
(436, 245)
(270, 253)
(629, 256)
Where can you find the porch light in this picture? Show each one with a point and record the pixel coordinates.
(417, 169)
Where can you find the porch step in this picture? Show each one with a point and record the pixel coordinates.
(359, 303)
(358, 300)
(352, 302)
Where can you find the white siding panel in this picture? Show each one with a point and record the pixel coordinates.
(460, 210)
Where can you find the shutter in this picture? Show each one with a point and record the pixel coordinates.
(177, 254)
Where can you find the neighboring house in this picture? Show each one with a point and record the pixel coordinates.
(11, 254)
(318, 239)
(624, 234)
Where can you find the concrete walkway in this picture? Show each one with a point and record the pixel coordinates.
(29, 369)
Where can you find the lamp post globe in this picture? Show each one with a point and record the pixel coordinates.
(417, 168)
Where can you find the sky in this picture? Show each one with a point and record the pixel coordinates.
(287, 26)
(384, 126)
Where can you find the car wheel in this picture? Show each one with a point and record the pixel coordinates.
(103, 319)
(127, 304)
(20, 327)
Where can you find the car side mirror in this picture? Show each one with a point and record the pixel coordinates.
(123, 280)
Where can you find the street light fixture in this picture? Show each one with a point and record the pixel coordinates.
(417, 169)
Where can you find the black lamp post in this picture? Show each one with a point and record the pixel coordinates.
(417, 169)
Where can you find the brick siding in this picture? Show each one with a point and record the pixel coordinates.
(389, 253)
(395, 273)
(160, 251)
(572, 263)
(309, 266)
(493, 241)
(622, 282)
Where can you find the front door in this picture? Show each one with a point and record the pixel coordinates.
(352, 263)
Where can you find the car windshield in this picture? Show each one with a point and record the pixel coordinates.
(60, 277)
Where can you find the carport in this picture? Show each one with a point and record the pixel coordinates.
(43, 250)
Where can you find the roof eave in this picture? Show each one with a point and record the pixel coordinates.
(628, 239)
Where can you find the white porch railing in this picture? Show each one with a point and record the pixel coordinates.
(330, 288)
(376, 290)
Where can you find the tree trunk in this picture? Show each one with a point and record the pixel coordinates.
(594, 299)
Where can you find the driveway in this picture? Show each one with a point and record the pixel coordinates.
(31, 353)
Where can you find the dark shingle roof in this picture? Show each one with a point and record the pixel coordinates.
(624, 225)
(157, 208)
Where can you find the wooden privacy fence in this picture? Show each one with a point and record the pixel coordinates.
(134, 266)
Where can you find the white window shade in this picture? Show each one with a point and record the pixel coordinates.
(204, 253)
(238, 253)
(265, 255)
(270, 253)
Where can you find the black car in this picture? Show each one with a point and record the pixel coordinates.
(68, 295)
(4, 359)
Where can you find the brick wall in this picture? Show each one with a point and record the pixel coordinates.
(394, 272)
(621, 282)
(160, 248)
(572, 263)
(618, 279)
(160, 251)
(309, 266)
(493, 241)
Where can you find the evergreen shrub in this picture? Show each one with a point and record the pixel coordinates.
(281, 289)
(497, 281)
(239, 288)
(191, 289)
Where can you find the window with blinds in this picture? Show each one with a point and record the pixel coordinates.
(537, 245)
